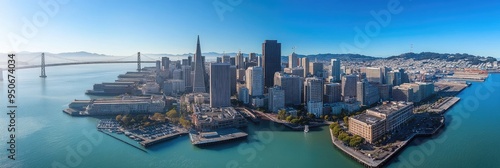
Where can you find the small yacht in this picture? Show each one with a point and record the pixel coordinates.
(306, 128)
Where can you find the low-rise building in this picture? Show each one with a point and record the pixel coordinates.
(206, 118)
(115, 106)
(378, 121)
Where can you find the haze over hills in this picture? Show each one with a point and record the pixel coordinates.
(319, 57)
(474, 60)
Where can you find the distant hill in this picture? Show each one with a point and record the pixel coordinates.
(327, 57)
(446, 57)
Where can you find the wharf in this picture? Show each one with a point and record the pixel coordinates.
(445, 105)
(148, 142)
(218, 136)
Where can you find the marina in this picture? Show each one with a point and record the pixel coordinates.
(132, 145)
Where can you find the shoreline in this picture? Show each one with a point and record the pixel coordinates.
(366, 161)
(371, 163)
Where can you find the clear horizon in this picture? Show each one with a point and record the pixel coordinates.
(377, 29)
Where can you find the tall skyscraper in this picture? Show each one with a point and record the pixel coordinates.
(271, 61)
(299, 71)
(333, 92)
(316, 69)
(232, 71)
(240, 61)
(220, 89)
(190, 60)
(374, 75)
(226, 59)
(276, 99)
(367, 94)
(401, 93)
(186, 76)
(255, 81)
(393, 78)
(335, 70)
(404, 76)
(240, 74)
(349, 86)
(292, 85)
(293, 60)
(313, 95)
(304, 62)
(165, 63)
(313, 88)
(199, 71)
(243, 95)
(252, 57)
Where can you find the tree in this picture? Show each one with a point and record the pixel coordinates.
(326, 117)
(185, 123)
(300, 113)
(158, 117)
(118, 117)
(342, 135)
(355, 141)
(334, 117)
(281, 114)
(172, 114)
(311, 115)
(125, 119)
(346, 120)
(336, 130)
(289, 118)
(295, 121)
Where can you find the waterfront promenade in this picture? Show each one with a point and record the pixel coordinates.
(273, 118)
(444, 105)
(371, 162)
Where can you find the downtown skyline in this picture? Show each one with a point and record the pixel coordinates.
(125, 27)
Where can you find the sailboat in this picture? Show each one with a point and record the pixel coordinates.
(306, 128)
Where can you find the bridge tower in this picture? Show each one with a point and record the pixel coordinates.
(42, 66)
(139, 61)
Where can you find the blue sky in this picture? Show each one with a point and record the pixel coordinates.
(124, 27)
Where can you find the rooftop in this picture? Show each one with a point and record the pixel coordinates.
(368, 119)
(390, 107)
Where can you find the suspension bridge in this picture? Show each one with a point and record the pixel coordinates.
(73, 61)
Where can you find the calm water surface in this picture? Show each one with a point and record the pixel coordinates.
(46, 137)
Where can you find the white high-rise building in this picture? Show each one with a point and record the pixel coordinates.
(293, 60)
(255, 81)
(313, 95)
(276, 100)
(240, 61)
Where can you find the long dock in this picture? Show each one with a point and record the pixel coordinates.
(445, 105)
(124, 141)
(148, 142)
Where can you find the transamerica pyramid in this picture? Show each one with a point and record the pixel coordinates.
(199, 72)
